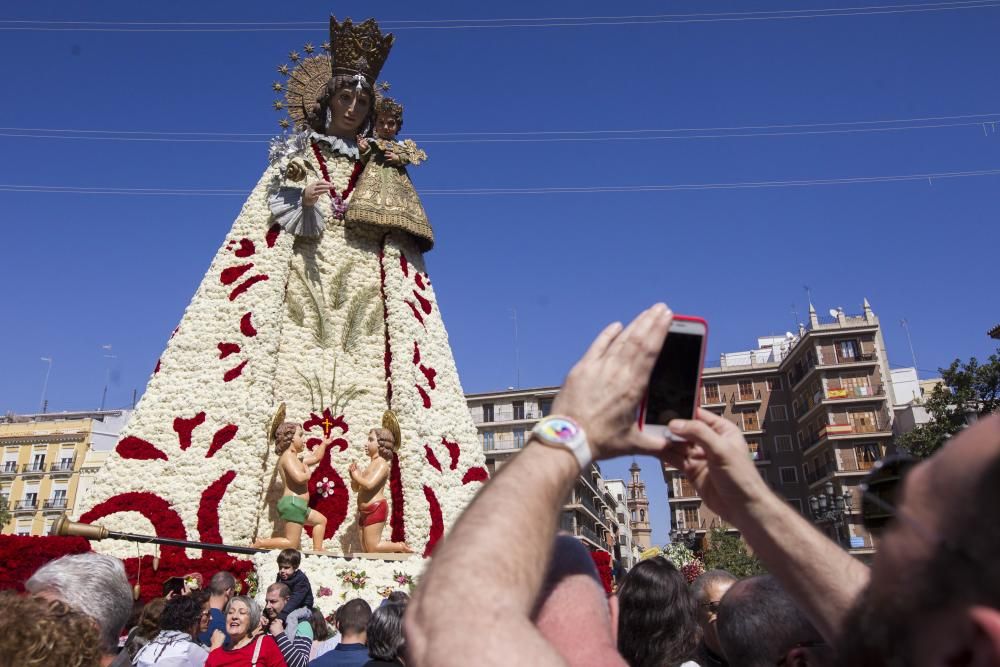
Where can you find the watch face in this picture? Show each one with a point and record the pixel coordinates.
(557, 429)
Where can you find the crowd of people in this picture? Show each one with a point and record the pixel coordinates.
(931, 596)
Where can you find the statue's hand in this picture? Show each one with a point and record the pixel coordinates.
(393, 159)
(363, 144)
(313, 191)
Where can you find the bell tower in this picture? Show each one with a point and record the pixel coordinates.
(638, 507)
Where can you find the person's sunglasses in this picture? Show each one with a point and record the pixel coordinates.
(879, 503)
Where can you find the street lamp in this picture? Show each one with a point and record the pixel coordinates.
(828, 507)
(688, 538)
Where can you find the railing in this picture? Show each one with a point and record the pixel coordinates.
(717, 399)
(820, 472)
(503, 414)
(759, 455)
(66, 465)
(686, 490)
(9, 468)
(55, 504)
(746, 397)
(32, 468)
(854, 392)
(23, 505)
(590, 534)
(566, 522)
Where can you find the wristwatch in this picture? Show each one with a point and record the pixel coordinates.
(563, 432)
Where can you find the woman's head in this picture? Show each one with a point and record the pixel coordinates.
(384, 441)
(182, 613)
(385, 632)
(284, 435)
(43, 632)
(203, 598)
(149, 620)
(657, 622)
(242, 617)
(320, 628)
(345, 109)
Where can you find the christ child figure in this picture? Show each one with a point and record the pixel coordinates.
(369, 484)
(384, 195)
(293, 467)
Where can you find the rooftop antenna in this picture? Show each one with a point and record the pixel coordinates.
(45, 385)
(906, 327)
(809, 296)
(107, 374)
(517, 354)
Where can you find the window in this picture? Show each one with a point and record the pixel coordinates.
(777, 413)
(867, 454)
(691, 518)
(801, 439)
(847, 350)
(37, 462)
(795, 503)
(545, 406)
(746, 390)
(23, 527)
(10, 466)
(774, 383)
(806, 470)
(788, 475)
(519, 438)
(712, 394)
(783, 443)
(754, 447)
(487, 412)
(642, 515)
(518, 407)
(750, 420)
(488, 440)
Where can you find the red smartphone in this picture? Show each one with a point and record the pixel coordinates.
(675, 383)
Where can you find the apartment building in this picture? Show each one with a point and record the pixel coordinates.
(624, 543)
(816, 409)
(504, 420)
(49, 462)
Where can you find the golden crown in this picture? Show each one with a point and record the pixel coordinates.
(358, 49)
(353, 50)
(385, 104)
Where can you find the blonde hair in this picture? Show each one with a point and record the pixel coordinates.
(40, 632)
(386, 442)
(283, 436)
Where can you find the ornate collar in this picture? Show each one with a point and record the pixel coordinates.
(345, 147)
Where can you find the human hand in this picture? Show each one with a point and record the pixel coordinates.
(313, 191)
(218, 639)
(277, 627)
(603, 390)
(716, 461)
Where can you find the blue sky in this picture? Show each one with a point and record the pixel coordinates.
(85, 270)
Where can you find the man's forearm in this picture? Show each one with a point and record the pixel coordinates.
(480, 575)
(824, 579)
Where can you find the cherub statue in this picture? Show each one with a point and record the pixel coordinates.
(373, 508)
(293, 507)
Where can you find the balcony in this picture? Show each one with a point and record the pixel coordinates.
(716, 400)
(745, 397)
(592, 536)
(33, 468)
(881, 426)
(55, 505)
(9, 469)
(841, 396)
(63, 467)
(683, 491)
(25, 506)
(812, 363)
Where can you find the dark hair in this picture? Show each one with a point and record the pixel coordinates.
(353, 616)
(320, 628)
(657, 624)
(316, 116)
(759, 623)
(385, 632)
(43, 632)
(181, 613)
(283, 436)
(398, 597)
(289, 558)
(221, 582)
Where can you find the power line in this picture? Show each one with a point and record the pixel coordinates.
(544, 136)
(468, 24)
(431, 191)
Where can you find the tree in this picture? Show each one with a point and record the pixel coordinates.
(4, 511)
(726, 551)
(966, 390)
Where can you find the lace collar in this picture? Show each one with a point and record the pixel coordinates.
(346, 147)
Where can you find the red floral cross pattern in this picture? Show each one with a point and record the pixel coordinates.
(328, 493)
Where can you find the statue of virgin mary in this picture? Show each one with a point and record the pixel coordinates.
(338, 322)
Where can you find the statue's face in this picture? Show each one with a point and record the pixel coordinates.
(386, 126)
(372, 445)
(348, 109)
(298, 441)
